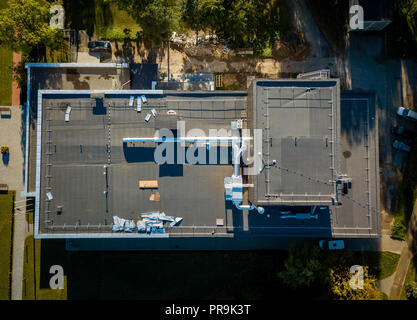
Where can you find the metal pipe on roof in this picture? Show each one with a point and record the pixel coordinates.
(250, 207)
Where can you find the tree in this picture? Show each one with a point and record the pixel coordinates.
(302, 267)
(202, 14)
(341, 289)
(411, 291)
(156, 17)
(24, 25)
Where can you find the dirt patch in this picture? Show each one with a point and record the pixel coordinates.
(293, 47)
(216, 57)
(105, 76)
(72, 75)
(17, 57)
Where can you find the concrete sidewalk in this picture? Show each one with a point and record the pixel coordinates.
(12, 174)
(18, 253)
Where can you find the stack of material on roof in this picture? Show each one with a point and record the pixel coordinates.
(152, 222)
(155, 196)
(120, 225)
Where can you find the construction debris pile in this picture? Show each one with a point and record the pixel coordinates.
(152, 222)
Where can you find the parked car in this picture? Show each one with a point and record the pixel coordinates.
(407, 113)
(401, 131)
(332, 244)
(99, 46)
(401, 146)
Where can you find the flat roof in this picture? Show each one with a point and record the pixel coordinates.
(74, 153)
(71, 156)
(359, 214)
(300, 126)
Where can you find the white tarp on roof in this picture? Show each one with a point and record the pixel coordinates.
(152, 222)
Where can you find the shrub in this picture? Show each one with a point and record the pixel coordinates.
(411, 291)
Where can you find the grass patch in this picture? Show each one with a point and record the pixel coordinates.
(29, 217)
(6, 76)
(102, 18)
(35, 283)
(58, 56)
(6, 225)
(411, 276)
(381, 264)
(6, 70)
(115, 31)
(266, 53)
(408, 196)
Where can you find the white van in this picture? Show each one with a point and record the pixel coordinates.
(407, 113)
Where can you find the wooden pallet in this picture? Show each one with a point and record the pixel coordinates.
(148, 184)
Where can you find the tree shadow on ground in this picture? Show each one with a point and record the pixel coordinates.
(88, 15)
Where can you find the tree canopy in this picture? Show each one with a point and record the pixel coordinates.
(409, 11)
(243, 23)
(302, 266)
(158, 18)
(340, 285)
(24, 25)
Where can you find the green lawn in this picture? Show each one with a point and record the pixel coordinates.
(104, 19)
(381, 264)
(41, 281)
(6, 76)
(6, 224)
(403, 213)
(29, 217)
(58, 56)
